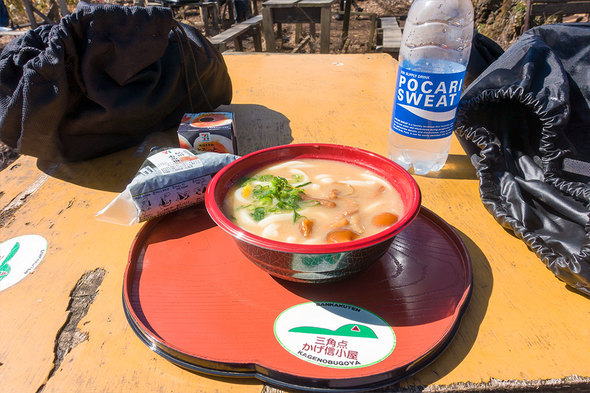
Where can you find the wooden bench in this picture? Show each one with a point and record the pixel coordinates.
(236, 34)
(548, 8)
(209, 11)
(372, 29)
(389, 36)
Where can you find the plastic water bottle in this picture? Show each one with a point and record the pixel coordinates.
(433, 57)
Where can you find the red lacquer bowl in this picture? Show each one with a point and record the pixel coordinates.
(313, 263)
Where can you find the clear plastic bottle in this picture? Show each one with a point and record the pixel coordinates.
(433, 57)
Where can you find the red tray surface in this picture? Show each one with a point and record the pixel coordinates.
(192, 296)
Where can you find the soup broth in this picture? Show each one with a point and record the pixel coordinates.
(313, 201)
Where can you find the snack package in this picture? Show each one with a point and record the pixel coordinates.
(168, 180)
(208, 131)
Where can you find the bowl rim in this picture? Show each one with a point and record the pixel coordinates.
(241, 234)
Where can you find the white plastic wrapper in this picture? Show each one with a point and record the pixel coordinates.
(170, 179)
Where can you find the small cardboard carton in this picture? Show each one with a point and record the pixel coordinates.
(208, 131)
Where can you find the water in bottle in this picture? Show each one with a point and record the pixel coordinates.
(433, 57)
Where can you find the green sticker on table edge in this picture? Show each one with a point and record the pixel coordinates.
(19, 257)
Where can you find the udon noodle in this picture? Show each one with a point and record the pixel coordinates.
(313, 201)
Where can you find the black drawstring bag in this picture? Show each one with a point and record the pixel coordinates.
(484, 51)
(102, 79)
(4, 16)
(525, 122)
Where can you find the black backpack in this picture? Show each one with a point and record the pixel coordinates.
(525, 123)
(104, 78)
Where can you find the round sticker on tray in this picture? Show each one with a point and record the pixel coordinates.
(19, 257)
(334, 335)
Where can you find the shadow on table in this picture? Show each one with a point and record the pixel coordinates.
(465, 337)
(458, 166)
(257, 127)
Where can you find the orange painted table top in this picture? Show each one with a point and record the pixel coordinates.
(64, 326)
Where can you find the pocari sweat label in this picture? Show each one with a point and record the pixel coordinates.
(426, 103)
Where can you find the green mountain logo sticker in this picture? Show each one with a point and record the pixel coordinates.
(334, 335)
(4, 266)
(349, 330)
(19, 257)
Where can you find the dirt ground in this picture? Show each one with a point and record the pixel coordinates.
(357, 40)
(7, 156)
(358, 35)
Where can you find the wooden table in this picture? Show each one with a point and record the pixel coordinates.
(523, 327)
(297, 11)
